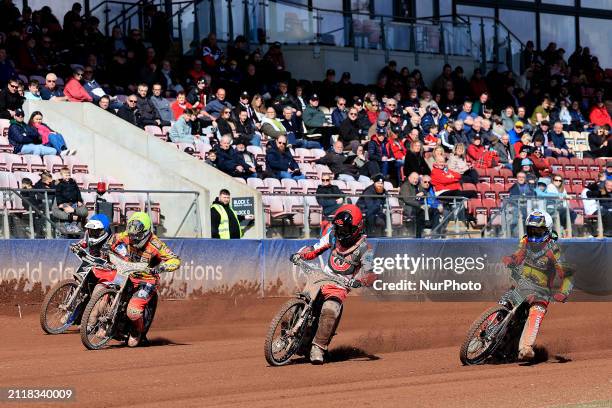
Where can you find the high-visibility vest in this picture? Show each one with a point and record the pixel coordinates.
(224, 232)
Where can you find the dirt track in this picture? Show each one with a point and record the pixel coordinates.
(406, 356)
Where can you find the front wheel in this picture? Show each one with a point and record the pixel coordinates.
(482, 340)
(55, 315)
(97, 319)
(280, 344)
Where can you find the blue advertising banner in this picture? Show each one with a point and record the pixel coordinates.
(413, 269)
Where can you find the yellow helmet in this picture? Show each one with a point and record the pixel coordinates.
(139, 229)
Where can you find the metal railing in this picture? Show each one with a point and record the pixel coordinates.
(301, 215)
(485, 39)
(573, 217)
(28, 213)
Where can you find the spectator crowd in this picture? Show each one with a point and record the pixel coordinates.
(428, 140)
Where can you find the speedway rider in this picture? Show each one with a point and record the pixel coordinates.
(97, 232)
(350, 255)
(138, 244)
(540, 257)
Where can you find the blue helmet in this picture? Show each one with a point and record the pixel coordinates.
(97, 229)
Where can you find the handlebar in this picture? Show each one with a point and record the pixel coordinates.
(311, 270)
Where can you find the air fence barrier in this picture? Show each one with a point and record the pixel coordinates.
(408, 269)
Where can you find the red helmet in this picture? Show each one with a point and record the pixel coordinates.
(348, 224)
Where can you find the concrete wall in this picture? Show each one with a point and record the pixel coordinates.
(113, 147)
(310, 62)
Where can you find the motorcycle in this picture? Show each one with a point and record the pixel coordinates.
(105, 316)
(64, 303)
(495, 335)
(293, 328)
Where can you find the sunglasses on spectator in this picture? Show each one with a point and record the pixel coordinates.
(52, 81)
(425, 182)
(132, 100)
(559, 180)
(13, 86)
(325, 179)
(281, 143)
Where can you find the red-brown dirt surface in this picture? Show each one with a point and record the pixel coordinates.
(210, 353)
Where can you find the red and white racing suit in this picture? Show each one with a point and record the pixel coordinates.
(346, 262)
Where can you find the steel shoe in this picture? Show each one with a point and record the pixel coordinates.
(316, 354)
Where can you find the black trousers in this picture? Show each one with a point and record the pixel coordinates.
(434, 220)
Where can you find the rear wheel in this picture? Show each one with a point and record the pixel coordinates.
(280, 345)
(97, 319)
(479, 343)
(55, 316)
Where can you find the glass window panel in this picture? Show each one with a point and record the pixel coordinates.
(424, 8)
(327, 4)
(520, 23)
(383, 7)
(601, 4)
(595, 34)
(558, 29)
(475, 11)
(360, 6)
(446, 7)
(560, 2)
(475, 27)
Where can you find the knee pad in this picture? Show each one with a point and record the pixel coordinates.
(331, 308)
(134, 312)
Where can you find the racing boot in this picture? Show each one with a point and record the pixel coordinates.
(530, 331)
(133, 338)
(526, 353)
(330, 311)
(316, 354)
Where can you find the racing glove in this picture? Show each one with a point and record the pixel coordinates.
(560, 297)
(295, 258)
(355, 283)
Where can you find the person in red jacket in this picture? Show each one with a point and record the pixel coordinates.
(476, 152)
(180, 105)
(446, 182)
(396, 150)
(599, 115)
(74, 91)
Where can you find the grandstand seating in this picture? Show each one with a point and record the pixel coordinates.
(14, 167)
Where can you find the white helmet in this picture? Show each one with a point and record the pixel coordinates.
(97, 229)
(539, 226)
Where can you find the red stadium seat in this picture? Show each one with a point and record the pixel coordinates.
(563, 160)
(468, 187)
(483, 187)
(569, 167)
(576, 161)
(12, 162)
(505, 172)
(473, 203)
(499, 180)
(485, 179)
(568, 176)
(53, 163)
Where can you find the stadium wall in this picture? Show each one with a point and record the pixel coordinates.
(113, 147)
(454, 270)
(310, 62)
